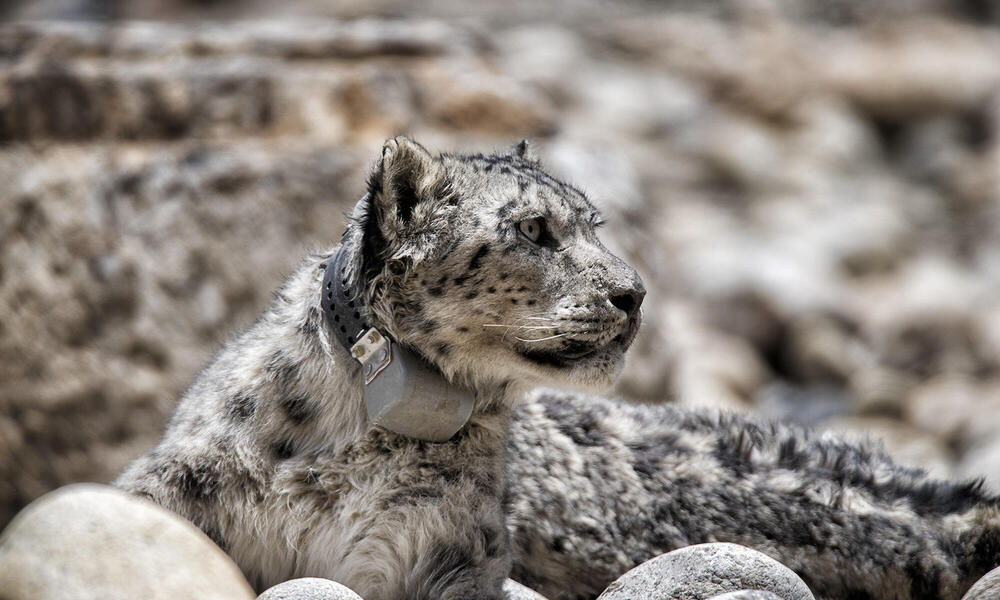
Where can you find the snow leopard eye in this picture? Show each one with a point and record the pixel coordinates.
(532, 228)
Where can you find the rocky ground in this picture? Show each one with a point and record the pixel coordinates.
(131, 543)
(812, 198)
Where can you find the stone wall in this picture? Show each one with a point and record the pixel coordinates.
(814, 204)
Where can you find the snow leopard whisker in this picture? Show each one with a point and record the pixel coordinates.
(551, 337)
(517, 328)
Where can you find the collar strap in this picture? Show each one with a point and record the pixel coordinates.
(342, 304)
(402, 392)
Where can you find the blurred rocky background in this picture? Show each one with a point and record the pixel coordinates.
(811, 190)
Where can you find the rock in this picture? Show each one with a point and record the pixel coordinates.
(907, 445)
(948, 406)
(748, 595)
(879, 391)
(457, 95)
(982, 460)
(90, 541)
(807, 405)
(917, 67)
(103, 324)
(705, 570)
(987, 588)
(315, 588)
(516, 591)
(309, 588)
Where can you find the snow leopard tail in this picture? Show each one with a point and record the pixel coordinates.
(597, 487)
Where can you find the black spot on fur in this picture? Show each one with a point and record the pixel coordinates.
(491, 290)
(472, 295)
(463, 329)
(196, 481)
(241, 407)
(284, 371)
(435, 291)
(297, 408)
(980, 549)
(462, 279)
(443, 349)
(647, 454)
(925, 580)
(557, 544)
(581, 427)
(734, 452)
(478, 256)
(283, 449)
(309, 326)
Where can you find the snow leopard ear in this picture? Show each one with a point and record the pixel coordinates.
(406, 175)
(524, 150)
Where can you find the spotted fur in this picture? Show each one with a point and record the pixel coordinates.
(597, 487)
(270, 451)
(271, 454)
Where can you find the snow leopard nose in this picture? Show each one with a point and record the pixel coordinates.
(629, 301)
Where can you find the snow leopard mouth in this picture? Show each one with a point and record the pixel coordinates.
(561, 358)
(573, 351)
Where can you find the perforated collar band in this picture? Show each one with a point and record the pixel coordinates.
(342, 304)
(402, 392)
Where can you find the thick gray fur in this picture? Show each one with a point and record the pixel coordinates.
(271, 454)
(597, 487)
(270, 451)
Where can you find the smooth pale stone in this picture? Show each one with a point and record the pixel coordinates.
(89, 541)
(309, 588)
(987, 588)
(748, 595)
(703, 571)
(516, 591)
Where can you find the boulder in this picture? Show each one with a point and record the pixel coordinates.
(89, 541)
(987, 588)
(748, 595)
(309, 588)
(704, 571)
(515, 591)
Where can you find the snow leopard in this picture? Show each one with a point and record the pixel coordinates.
(489, 270)
(486, 270)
